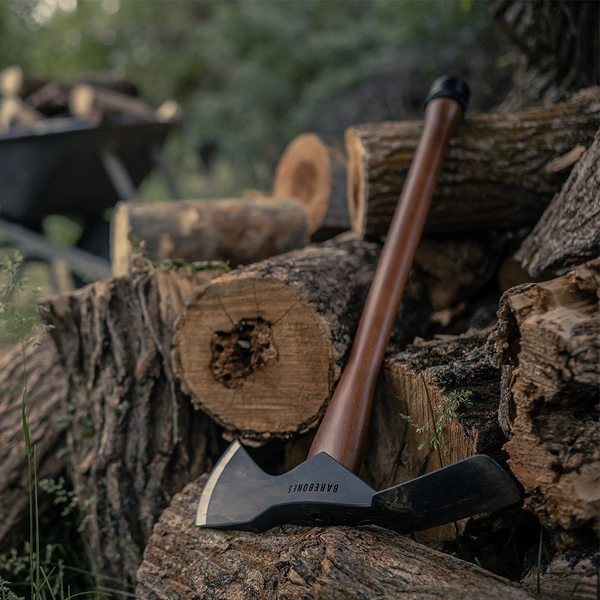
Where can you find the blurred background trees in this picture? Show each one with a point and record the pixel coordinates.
(252, 74)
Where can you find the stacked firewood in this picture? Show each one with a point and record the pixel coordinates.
(164, 364)
(27, 102)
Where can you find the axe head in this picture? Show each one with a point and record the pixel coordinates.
(320, 491)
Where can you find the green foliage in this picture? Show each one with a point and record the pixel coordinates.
(68, 499)
(434, 430)
(252, 74)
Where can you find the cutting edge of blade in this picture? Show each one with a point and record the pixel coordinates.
(207, 492)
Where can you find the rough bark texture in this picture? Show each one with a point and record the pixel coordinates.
(455, 268)
(262, 348)
(571, 575)
(547, 341)
(134, 439)
(394, 453)
(494, 176)
(569, 231)
(184, 561)
(557, 45)
(237, 231)
(47, 387)
(315, 173)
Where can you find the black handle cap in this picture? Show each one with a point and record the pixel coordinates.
(449, 87)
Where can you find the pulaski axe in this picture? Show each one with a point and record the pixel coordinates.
(325, 490)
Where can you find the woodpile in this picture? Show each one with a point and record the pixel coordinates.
(176, 355)
(27, 102)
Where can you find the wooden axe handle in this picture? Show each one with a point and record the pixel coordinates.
(343, 431)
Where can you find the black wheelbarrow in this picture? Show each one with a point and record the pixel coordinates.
(72, 167)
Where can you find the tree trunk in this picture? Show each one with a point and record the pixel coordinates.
(396, 451)
(557, 45)
(134, 439)
(547, 342)
(315, 173)
(47, 389)
(569, 231)
(492, 178)
(261, 349)
(185, 561)
(237, 231)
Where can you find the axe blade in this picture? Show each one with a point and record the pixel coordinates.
(320, 491)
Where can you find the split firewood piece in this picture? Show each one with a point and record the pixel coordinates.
(261, 349)
(185, 561)
(15, 82)
(492, 178)
(47, 389)
(315, 173)
(134, 439)
(97, 103)
(571, 575)
(14, 111)
(238, 231)
(548, 344)
(569, 231)
(464, 389)
(455, 268)
(51, 99)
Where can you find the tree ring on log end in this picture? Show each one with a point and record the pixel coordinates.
(278, 381)
(241, 351)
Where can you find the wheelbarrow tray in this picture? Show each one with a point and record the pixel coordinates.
(59, 170)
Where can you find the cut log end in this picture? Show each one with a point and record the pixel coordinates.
(264, 352)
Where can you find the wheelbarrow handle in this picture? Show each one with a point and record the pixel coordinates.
(343, 431)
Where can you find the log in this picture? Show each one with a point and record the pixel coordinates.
(571, 575)
(556, 45)
(51, 99)
(14, 111)
(134, 439)
(456, 268)
(47, 387)
(238, 231)
(185, 561)
(315, 173)
(492, 178)
(547, 341)
(396, 452)
(15, 82)
(262, 348)
(568, 233)
(98, 104)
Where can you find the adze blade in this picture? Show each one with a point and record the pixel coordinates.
(320, 491)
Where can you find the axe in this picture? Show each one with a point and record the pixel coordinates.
(325, 490)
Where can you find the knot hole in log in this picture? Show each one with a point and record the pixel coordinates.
(243, 350)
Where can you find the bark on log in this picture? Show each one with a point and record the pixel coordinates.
(135, 439)
(262, 348)
(185, 561)
(396, 452)
(492, 178)
(98, 104)
(547, 341)
(237, 231)
(315, 173)
(47, 387)
(455, 268)
(569, 231)
(571, 575)
(558, 48)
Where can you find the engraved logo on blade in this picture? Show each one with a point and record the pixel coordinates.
(331, 488)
